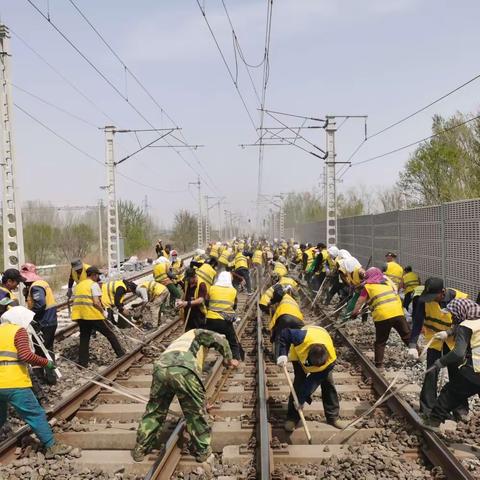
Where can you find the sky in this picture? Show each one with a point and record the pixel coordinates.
(381, 58)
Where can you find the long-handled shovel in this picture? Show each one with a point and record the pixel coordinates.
(297, 404)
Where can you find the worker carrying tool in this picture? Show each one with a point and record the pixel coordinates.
(162, 273)
(87, 310)
(41, 301)
(313, 355)
(466, 353)
(11, 279)
(241, 269)
(153, 296)
(393, 270)
(287, 314)
(386, 308)
(78, 272)
(429, 315)
(178, 268)
(159, 249)
(221, 306)
(225, 257)
(193, 303)
(266, 299)
(15, 381)
(113, 299)
(178, 372)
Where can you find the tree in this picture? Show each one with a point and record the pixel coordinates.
(185, 230)
(136, 227)
(303, 207)
(40, 241)
(446, 167)
(391, 199)
(76, 240)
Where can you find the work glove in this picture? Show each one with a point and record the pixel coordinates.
(441, 336)
(282, 360)
(69, 293)
(437, 366)
(50, 365)
(413, 353)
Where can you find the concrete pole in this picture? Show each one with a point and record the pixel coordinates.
(331, 182)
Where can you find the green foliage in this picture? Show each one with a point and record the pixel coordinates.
(40, 241)
(303, 207)
(135, 226)
(76, 240)
(446, 167)
(185, 230)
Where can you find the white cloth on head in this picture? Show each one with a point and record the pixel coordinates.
(351, 264)
(224, 280)
(199, 251)
(333, 251)
(344, 254)
(20, 316)
(163, 260)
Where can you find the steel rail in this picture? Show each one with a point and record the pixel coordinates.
(263, 452)
(435, 450)
(170, 455)
(72, 403)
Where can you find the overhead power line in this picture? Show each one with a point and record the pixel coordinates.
(108, 81)
(442, 132)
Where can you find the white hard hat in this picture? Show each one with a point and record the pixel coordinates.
(350, 264)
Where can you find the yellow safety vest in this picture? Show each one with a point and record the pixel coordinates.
(437, 320)
(214, 251)
(220, 299)
(13, 372)
(196, 295)
(383, 301)
(199, 259)
(108, 292)
(310, 257)
(325, 257)
(177, 266)
(315, 335)
(240, 261)
(49, 298)
(288, 281)
(280, 269)
(206, 273)
(417, 291)
(298, 255)
(225, 256)
(160, 272)
(83, 274)
(287, 306)
(410, 282)
(83, 307)
(154, 289)
(474, 326)
(184, 343)
(266, 298)
(257, 257)
(354, 277)
(11, 296)
(394, 272)
(331, 262)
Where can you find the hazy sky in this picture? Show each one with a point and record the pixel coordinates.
(383, 58)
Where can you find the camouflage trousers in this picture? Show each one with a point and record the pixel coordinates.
(168, 382)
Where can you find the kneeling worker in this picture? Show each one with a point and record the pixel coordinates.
(153, 296)
(178, 373)
(313, 357)
(15, 382)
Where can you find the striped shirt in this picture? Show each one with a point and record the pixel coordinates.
(23, 350)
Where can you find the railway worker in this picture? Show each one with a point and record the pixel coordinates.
(410, 281)
(319, 267)
(11, 279)
(339, 276)
(386, 308)
(41, 301)
(113, 298)
(178, 268)
(280, 267)
(162, 273)
(215, 250)
(393, 270)
(224, 258)
(430, 316)
(178, 372)
(153, 297)
(78, 272)
(257, 259)
(159, 249)
(207, 273)
(308, 259)
(221, 306)
(313, 355)
(87, 310)
(241, 269)
(466, 353)
(266, 298)
(15, 381)
(193, 304)
(355, 274)
(199, 258)
(287, 314)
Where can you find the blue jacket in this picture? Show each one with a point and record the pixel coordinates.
(44, 318)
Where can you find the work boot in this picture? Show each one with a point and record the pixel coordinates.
(335, 422)
(57, 449)
(138, 453)
(290, 425)
(432, 424)
(206, 456)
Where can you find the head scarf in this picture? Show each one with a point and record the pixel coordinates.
(463, 309)
(350, 264)
(20, 316)
(373, 275)
(344, 254)
(224, 280)
(333, 251)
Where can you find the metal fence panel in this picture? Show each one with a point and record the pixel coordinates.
(441, 241)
